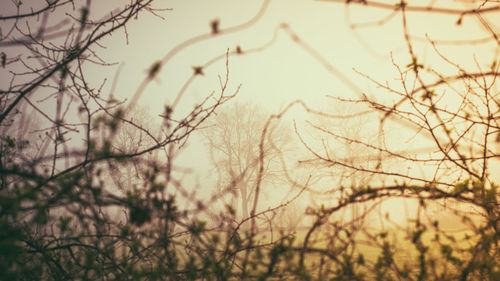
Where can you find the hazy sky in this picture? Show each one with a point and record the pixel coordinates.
(323, 59)
(284, 71)
(288, 69)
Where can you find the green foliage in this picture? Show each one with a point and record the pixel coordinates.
(139, 211)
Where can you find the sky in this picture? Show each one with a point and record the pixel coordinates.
(286, 70)
(304, 49)
(327, 58)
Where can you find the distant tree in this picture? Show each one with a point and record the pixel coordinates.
(233, 141)
(140, 134)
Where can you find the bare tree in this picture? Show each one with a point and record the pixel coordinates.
(233, 141)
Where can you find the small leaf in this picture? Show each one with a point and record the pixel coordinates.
(155, 68)
(4, 59)
(10, 142)
(198, 70)
(361, 259)
(215, 26)
(85, 14)
(64, 223)
(428, 95)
